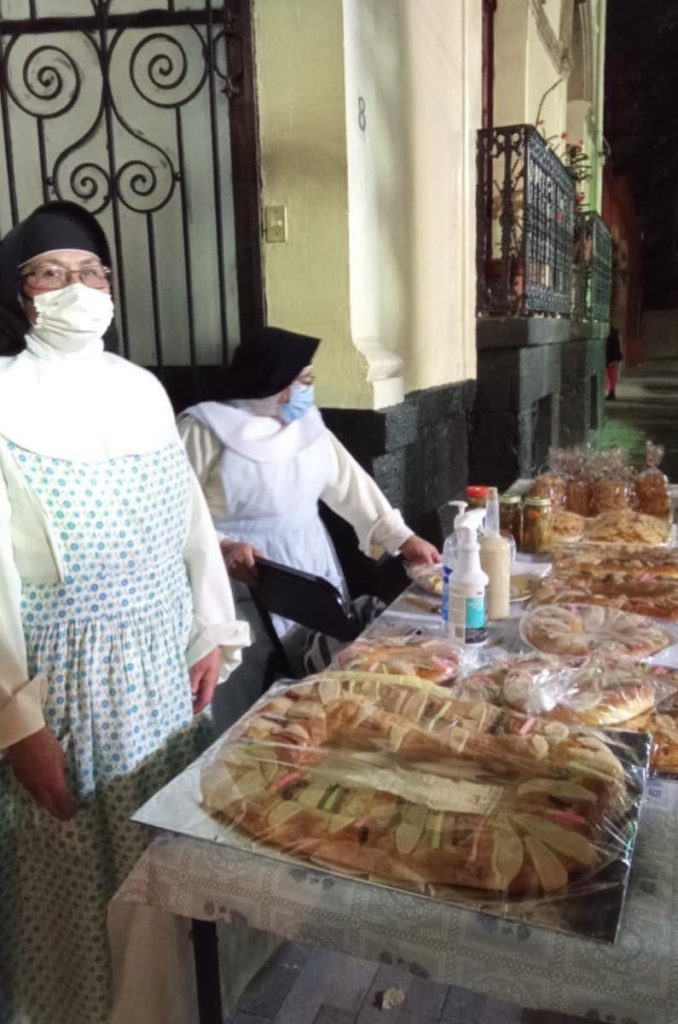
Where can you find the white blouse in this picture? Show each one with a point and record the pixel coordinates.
(91, 406)
(350, 491)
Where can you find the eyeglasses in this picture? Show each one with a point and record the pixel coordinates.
(50, 276)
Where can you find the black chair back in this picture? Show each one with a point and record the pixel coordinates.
(307, 600)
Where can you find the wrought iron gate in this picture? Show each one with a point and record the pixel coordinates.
(146, 118)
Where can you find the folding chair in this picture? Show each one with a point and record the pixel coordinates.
(307, 600)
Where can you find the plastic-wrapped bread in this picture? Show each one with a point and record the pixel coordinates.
(392, 779)
(426, 657)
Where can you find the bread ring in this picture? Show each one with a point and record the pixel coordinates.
(579, 629)
(599, 691)
(426, 657)
(397, 780)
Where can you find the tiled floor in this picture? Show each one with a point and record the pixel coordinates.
(312, 985)
(317, 986)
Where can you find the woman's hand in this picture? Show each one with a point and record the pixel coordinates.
(419, 551)
(239, 559)
(38, 763)
(204, 678)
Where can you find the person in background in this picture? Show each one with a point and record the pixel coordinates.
(265, 459)
(613, 360)
(116, 615)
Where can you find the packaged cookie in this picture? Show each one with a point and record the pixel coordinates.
(578, 496)
(652, 487)
(547, 485)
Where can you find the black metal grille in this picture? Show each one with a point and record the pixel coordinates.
(525, 218)
(128, 114)
(592, 277)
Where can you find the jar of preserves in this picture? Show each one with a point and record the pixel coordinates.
(537, 525)
(511, 517)
(476, 496)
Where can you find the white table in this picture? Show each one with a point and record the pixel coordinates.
(633, 982)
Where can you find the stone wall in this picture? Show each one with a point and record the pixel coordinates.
(539, 385)
(417, 452)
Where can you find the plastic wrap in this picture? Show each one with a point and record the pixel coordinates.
(662, 724)
(651, 486)
(655, 597)
(393, 781)
(595, 481)
(633, 560)
(428, 577)
(580, 629)
(600, 690)
(627, 527)
(567, 527)
(411, 654)
(548, 485)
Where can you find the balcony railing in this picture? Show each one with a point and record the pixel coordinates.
(525, 225)
(592, 277)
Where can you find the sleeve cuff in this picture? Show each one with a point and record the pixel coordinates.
(230, 637)
(22, 715)
(389, 533)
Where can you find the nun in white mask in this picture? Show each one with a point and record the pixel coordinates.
(116, 615)
(265, 458)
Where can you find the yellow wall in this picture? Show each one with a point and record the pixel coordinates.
(529, 76)
(416, 66)
(300, 72)
(543, 73)
(381, 207)
(525, 69)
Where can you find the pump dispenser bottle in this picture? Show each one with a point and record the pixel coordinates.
(449, 559)
(468, 622)
(495, 559)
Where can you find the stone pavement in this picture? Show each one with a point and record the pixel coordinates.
(311, 985)
(646, 407)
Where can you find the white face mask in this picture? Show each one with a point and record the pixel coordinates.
(69, 319)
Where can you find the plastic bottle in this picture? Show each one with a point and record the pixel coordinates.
(495, 559)
(449, 558)
(468, 620)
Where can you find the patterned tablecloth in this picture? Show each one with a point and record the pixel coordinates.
(634, 981)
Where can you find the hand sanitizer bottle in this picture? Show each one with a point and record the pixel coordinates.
(449, 558)
(468, 614)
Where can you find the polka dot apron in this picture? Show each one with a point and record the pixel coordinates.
(110, 640)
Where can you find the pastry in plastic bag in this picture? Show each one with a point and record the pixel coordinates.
(428, 577)
(566, 526)
(548, 486)
(577, 630)
(600, 690)
(627, 527)
(655, 598)
(426, 657)
(395, 781)
(586, 560)
(652, 487)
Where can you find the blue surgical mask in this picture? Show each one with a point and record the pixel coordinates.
(300, 401)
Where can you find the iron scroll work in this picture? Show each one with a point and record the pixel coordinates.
(129, 115)
(525, 220)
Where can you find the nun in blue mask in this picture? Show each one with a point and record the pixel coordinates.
(265, 459)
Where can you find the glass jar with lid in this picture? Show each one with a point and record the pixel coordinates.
(537, 526)
(511, 517)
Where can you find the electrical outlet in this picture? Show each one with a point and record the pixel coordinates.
(275, 224)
